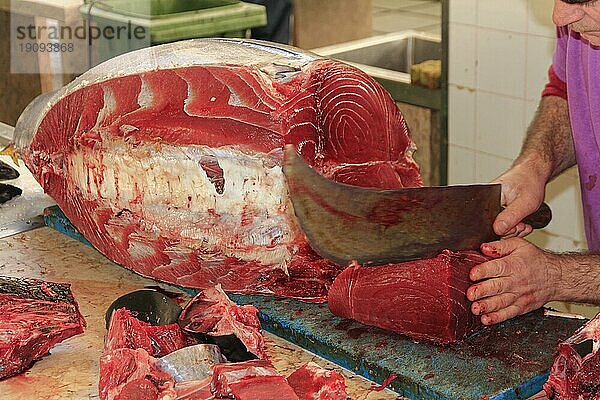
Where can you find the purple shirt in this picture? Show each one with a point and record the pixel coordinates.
(577, 63)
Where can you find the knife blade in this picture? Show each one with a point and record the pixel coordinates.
(371, 226)
(17, 227)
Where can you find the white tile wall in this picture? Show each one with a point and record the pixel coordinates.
(489, 166)
(463, 12)
(461, 116)
(509, 15)
(499, 55)
(538, 48)
(501, 59)
(462, 52)
(539, 21)
(462, 170)
(500, 124)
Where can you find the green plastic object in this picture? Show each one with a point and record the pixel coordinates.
(165, 21)
(158, 8)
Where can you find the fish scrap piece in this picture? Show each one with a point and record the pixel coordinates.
(35, 315)
(127, 373)
(126, 331)
(128, 367)
(168, 159)
(212, 313)
(250, 380)
(311, 382)
(575, 373)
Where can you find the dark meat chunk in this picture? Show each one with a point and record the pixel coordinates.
(127, 331)
(575, 373)
(34, 316)
(214, 315)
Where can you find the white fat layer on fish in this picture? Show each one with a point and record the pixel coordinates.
(167, 186)
(146, 96)
(237, 375)
(110, 106)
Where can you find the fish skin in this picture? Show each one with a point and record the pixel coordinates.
(8, 192)
(7, 172)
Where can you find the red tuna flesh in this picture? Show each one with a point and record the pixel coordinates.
(126, 331)
(168, 159)
(250, 380)
(127, 374)
(575, 373)
(423, 299)
(212, 313)
(34, 316)
(128, 368)
(311, 382)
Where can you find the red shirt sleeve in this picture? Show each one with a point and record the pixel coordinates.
(555, 86)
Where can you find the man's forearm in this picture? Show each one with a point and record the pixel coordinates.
(578, 277)
(548, 147)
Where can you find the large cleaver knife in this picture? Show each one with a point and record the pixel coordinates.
(375, 227)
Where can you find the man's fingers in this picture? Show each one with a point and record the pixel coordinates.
(494, 303)
(512, 215)
(490, 269)
(500, 315)
(487, 288)
(526, 230)
(502, 247)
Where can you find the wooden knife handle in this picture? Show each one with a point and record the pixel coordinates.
(540, 218)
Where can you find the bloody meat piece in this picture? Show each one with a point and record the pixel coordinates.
(575, 373)
(194, 390)
(213, 314)
(128, 374)
(168, 159)
(311, 382)
(424, 299)
(35, 315)
(128, 368)
(250, 380)
(126, 331)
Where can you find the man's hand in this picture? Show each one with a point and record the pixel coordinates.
(522, 194)
(519, 279)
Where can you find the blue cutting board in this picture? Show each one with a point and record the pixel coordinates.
(507, 361)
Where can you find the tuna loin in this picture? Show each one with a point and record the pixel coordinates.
(575, 373)
(35, 315)
(424, 299)
(168, 159)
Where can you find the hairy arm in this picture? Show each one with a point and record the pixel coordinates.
(548, 146)
(546, 152)
(579, 279)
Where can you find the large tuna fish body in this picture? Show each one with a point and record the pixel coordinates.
(168, 159)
